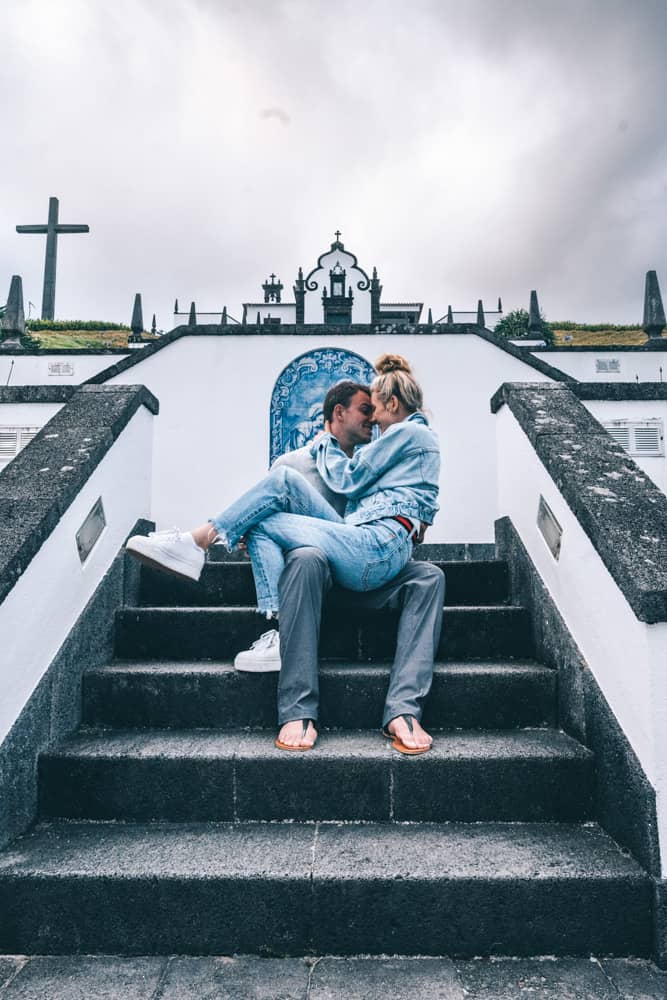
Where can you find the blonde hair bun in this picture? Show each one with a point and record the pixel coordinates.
(392, 363)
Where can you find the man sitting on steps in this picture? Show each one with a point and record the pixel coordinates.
(418, 592)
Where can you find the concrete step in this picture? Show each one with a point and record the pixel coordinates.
(231, 583)
(293, 888)
(529, 775)
(219, 633)
(472, 695)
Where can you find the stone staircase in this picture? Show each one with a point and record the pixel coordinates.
(171, 824)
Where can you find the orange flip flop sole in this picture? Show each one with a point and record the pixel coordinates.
(410, 751)
(284, 746)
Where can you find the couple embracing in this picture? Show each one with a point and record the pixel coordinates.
(344, 510)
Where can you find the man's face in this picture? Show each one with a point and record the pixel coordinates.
(354, 422)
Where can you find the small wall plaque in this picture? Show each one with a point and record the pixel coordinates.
(549, 527)
(61, 368)
(90, 530)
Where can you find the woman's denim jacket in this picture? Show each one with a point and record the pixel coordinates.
(396, 474)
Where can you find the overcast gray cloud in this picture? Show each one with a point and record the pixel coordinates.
(466, 149)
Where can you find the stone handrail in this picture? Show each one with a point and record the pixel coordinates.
(622, 512)
(42, 481)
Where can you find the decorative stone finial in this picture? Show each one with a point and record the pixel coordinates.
(154, 326)
(500, 304)
(450, 315)
(137, 323)
(534, 318)
(176, 306)
(654, 313)
(430, 317)
(13, 319)
(272, 289)
(481, 319)
(223, 321)
(192, 318)
(259, 319)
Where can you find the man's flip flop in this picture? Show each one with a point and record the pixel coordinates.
(399, 745)
(309, 746)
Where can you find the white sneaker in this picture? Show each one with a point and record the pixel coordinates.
(263, 655)
(173, 550)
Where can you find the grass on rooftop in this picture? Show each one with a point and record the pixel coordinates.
(53, 340)
(629, 337)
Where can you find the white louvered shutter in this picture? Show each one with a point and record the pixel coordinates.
(26, 434)
(639, 437)
(8, 443)
(648, 440)
(620, 434)
(13, 439)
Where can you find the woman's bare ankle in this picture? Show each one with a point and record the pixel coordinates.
(204, 535)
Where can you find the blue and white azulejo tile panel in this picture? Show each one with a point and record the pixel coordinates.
(296, 401)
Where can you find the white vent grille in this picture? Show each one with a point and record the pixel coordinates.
(639, 437)
(13, 439)
(607, 365)
(620, 434)
(61, 368)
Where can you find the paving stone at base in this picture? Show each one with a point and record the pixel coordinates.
(86, 977)
(236, 978)
(9, 966)
(383, 978)
(535, 979)
(248, 977)
(636, 979)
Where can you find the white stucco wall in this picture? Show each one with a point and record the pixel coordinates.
(581, 364)
(27, 414)
(33, 369)
(56, 586)
(212, 433)
(627, 657)
(628, 409)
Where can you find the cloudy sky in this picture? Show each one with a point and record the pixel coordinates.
(467, 148)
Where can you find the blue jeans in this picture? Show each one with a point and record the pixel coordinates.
(284, 512)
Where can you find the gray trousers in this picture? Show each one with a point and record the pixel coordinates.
(418, 592)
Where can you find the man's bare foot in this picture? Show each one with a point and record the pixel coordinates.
(292, 735)
(418, 739)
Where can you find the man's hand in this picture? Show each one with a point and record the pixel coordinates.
(419, 536)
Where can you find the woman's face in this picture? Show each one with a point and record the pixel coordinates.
(385, 415)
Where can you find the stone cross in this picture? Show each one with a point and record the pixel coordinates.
(52, 229)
